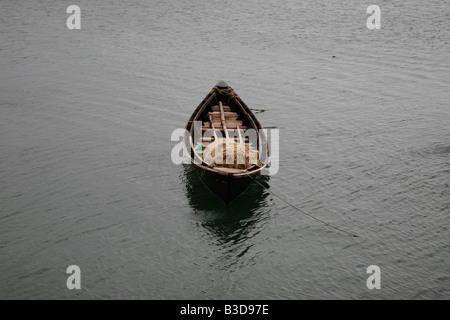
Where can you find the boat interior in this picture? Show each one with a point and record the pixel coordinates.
(230, 122)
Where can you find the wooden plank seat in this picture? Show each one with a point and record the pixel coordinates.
(229, 127)
(217, 108)
(234, 125)
(217, 124)
(236, 138)
(216, 119)
(228, 114)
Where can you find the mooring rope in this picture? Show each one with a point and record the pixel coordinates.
(304, 212)
(227, 92)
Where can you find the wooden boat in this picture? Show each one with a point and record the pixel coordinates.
(223, 113)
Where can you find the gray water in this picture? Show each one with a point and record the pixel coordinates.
(86, 176)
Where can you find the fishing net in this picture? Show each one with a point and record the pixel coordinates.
(227, 93)
(227, 153)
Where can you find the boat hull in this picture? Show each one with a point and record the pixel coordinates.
(225, 187)
(223, 111)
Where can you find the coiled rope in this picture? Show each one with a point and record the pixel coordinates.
(227, 92)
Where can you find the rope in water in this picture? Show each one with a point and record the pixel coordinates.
(228, 92)
(304, 212)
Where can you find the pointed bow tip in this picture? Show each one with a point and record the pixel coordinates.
(222, 84)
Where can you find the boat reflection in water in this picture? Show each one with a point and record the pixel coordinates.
(232, 223)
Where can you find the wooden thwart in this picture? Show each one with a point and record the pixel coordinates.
(217, 108)
(227, 114)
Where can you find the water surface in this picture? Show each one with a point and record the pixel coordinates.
(86, 176)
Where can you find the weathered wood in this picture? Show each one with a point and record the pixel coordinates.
(227, 114)
(212, 126)
(229, 170)
(231, 120)
(217, 108)
(222, 116)
(240, 135)
(235, 125)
